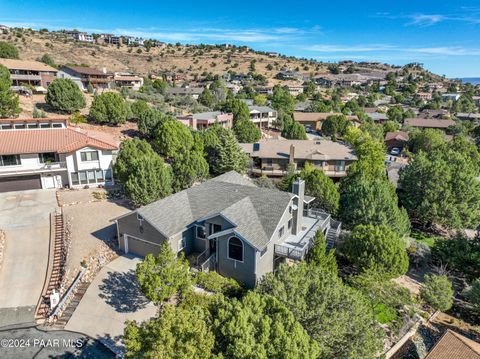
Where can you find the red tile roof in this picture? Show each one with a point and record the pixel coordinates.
(62, 140)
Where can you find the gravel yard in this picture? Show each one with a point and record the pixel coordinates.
(91, 234)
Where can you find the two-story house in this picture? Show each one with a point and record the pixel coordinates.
(272, 157)
(83, 76)
(262, 116)
(33, 73)
(45, 153)
(203, 120)
(312, 121)
(229, 225)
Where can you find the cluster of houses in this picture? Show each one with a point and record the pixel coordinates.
(112, 39)
(39, 76)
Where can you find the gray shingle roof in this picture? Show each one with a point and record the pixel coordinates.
(255, 211)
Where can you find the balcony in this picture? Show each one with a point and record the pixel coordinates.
(23, 77)
(297, 246)
(42, 167)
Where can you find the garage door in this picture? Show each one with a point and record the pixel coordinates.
(140, 247)
(8, 184)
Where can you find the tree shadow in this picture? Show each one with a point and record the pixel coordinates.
(120, 290)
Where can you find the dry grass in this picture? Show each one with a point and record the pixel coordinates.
(187, 60)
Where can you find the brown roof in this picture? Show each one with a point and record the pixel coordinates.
(399, 135)
(453, 345)
(429, 123)
(62, 140)
(26, 65)
(86, 70)
(318, 116)
(304, 149)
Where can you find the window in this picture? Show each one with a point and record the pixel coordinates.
(47, 157)
(340, 166)
(91, 176)
(10, 160)
(57, 125)
(99, 175)
(32, 125)
(89, 156)
(235, 249)
(280, 232)
(214, 228)
(6, 127)
(201, 232)
(75, 178)
(19, 127)
(44, 125)
(289, 223)
(83, 177)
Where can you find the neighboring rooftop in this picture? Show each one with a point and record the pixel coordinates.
(453, 345)
(26, 65)
(260, 109)
(303, 149)
(318, 116)
(399, 136)
(86, 70)
(62, 140)
(429, 123)
(254, 211)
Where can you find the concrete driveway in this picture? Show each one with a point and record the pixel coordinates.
(24, 216)
(112, 298)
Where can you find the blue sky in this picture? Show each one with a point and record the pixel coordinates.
(444, 35)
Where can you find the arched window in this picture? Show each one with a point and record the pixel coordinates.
(235, 249)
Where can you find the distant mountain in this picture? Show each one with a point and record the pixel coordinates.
(472, 80)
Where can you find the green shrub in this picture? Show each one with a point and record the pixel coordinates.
(437, 292)
(214, 282)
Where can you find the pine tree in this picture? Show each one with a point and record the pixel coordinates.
(228, 155)
(9, 102)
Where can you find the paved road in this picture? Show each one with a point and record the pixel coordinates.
(24, 216)
(111, 299)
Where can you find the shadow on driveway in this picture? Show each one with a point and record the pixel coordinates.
(120, 290)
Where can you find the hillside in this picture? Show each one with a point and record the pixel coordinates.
(189, 60)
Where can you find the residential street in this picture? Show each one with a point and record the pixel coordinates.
(24, 216)
(110, 300)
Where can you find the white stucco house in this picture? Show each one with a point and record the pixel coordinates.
(46, 153)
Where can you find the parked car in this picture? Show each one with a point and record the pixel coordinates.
(395, 151)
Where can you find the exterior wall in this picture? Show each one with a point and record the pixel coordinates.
(66, 74)
(277, 166)
(266, 263)
(75, 164)
(243, 272)
(395, 143)
(130, 225)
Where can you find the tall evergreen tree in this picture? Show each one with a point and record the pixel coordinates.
(9, 102)
(227, 155)
(65, 96)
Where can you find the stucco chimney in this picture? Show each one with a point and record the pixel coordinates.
(291, 156)
(298, 188)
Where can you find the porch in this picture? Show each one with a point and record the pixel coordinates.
(296, 246)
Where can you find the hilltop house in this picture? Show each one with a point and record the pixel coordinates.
(33, 73)
(312, 121)
(262, 116)
(272, 157)
(202, 120)
(41, 153)
(125, 79)
(229, 225)
(83, 76)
